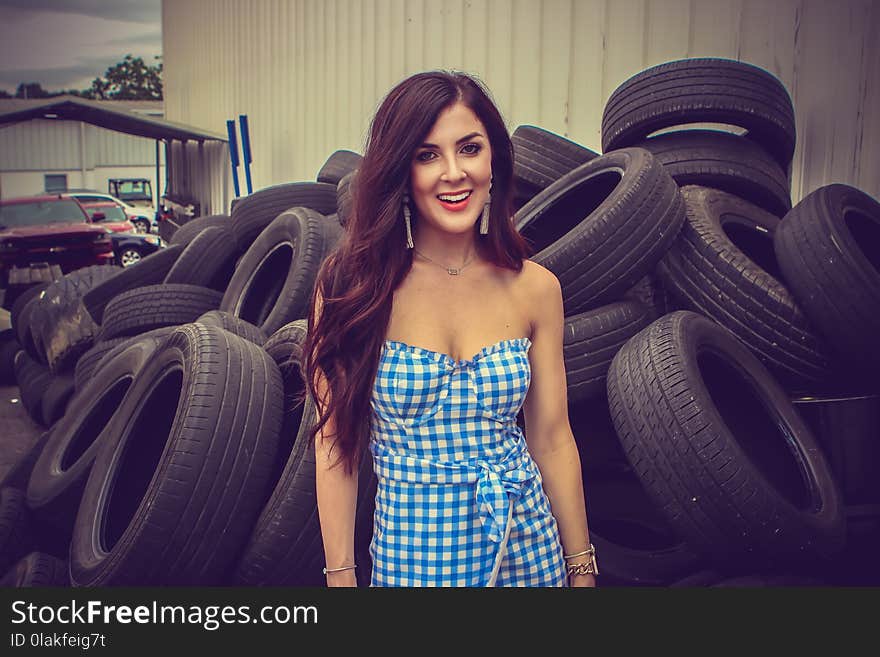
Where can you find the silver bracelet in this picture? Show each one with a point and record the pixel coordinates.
(336, 570)
(590, 550)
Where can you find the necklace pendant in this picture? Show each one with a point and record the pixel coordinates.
(452, 271)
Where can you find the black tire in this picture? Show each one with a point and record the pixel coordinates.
(598, 446)
(141, 225)
(234, 325)
(702, 90)
(19, 474)
(56, 397)
(637, 545)
(274, 280)
(66, 328)
(723, 266)
(591, 341)
(149, 271)
(16, 534)
(20, 302)
(283, 540)
(649, 292)
(208, 260)
(188, 231)
(186, 466)
(266, 556)
(345, 197)
(285, 348)
(33, 379)
(155, 306)
(253, 213)
(338, 165)
(59, 476)
(719, 447)
(89, 361)
(848, 429)
(129, 256)
(603, 226)
(8, 348)
(20, 317)
(828, 248)
(724, 161)
(540, 158)
(309, 550)
(37, 569)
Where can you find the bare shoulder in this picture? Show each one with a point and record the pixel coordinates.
(539, 283)
(540, 291)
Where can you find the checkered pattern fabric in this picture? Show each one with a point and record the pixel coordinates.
(450, 460)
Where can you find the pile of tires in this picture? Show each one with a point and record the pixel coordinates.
(702, 311)
(714, 335)
(179, 454)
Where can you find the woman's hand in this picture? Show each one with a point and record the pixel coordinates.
(343, 578)
(582, 581)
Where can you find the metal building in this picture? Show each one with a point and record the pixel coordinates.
(49, 154)
(310, 73)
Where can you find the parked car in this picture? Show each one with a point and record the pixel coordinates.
(50, 229)
(129, 248)
(134, 191)
(143, 220)
(110, 216)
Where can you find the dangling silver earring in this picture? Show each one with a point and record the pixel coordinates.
(406, 220)
(484, 220)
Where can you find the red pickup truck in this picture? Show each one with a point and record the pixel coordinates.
(49, 229)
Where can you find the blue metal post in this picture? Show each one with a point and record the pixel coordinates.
(246, 150)
(233, 155)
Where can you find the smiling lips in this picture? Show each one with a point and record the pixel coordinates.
(455, 202)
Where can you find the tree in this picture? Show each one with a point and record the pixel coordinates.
(130, 79)
(31, 90)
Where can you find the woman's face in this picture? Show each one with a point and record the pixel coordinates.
(451, 172)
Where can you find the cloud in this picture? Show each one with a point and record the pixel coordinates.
(64, 50)
(136, 11)
(76, 76)
(152, 39)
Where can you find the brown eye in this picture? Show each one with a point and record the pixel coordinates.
(471, 149)
(425, 156)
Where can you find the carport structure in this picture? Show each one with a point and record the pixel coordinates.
(194, 158)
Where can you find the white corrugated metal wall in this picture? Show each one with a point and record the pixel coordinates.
(92, 154)
(309, 73)
(40, 144)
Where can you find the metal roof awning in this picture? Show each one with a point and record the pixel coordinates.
(72, 108)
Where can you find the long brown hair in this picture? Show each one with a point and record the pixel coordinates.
(357, 281)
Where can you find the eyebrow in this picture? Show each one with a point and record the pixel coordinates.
(463, 139)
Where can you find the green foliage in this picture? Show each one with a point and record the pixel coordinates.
(130, 79)
(31, 90)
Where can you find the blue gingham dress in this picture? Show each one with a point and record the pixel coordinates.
(459, 500)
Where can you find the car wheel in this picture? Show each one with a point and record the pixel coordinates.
(129, 257)
(141, 225)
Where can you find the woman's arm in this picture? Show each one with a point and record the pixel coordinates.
(548, 433)
(337, 499)
(336, 491)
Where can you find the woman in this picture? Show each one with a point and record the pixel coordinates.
(428, 332)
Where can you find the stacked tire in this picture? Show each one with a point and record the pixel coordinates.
(175, 442)
(731, 307)
(702, 313)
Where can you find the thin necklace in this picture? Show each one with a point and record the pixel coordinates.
(452, 271)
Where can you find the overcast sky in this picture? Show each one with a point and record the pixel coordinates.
(65, 44)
